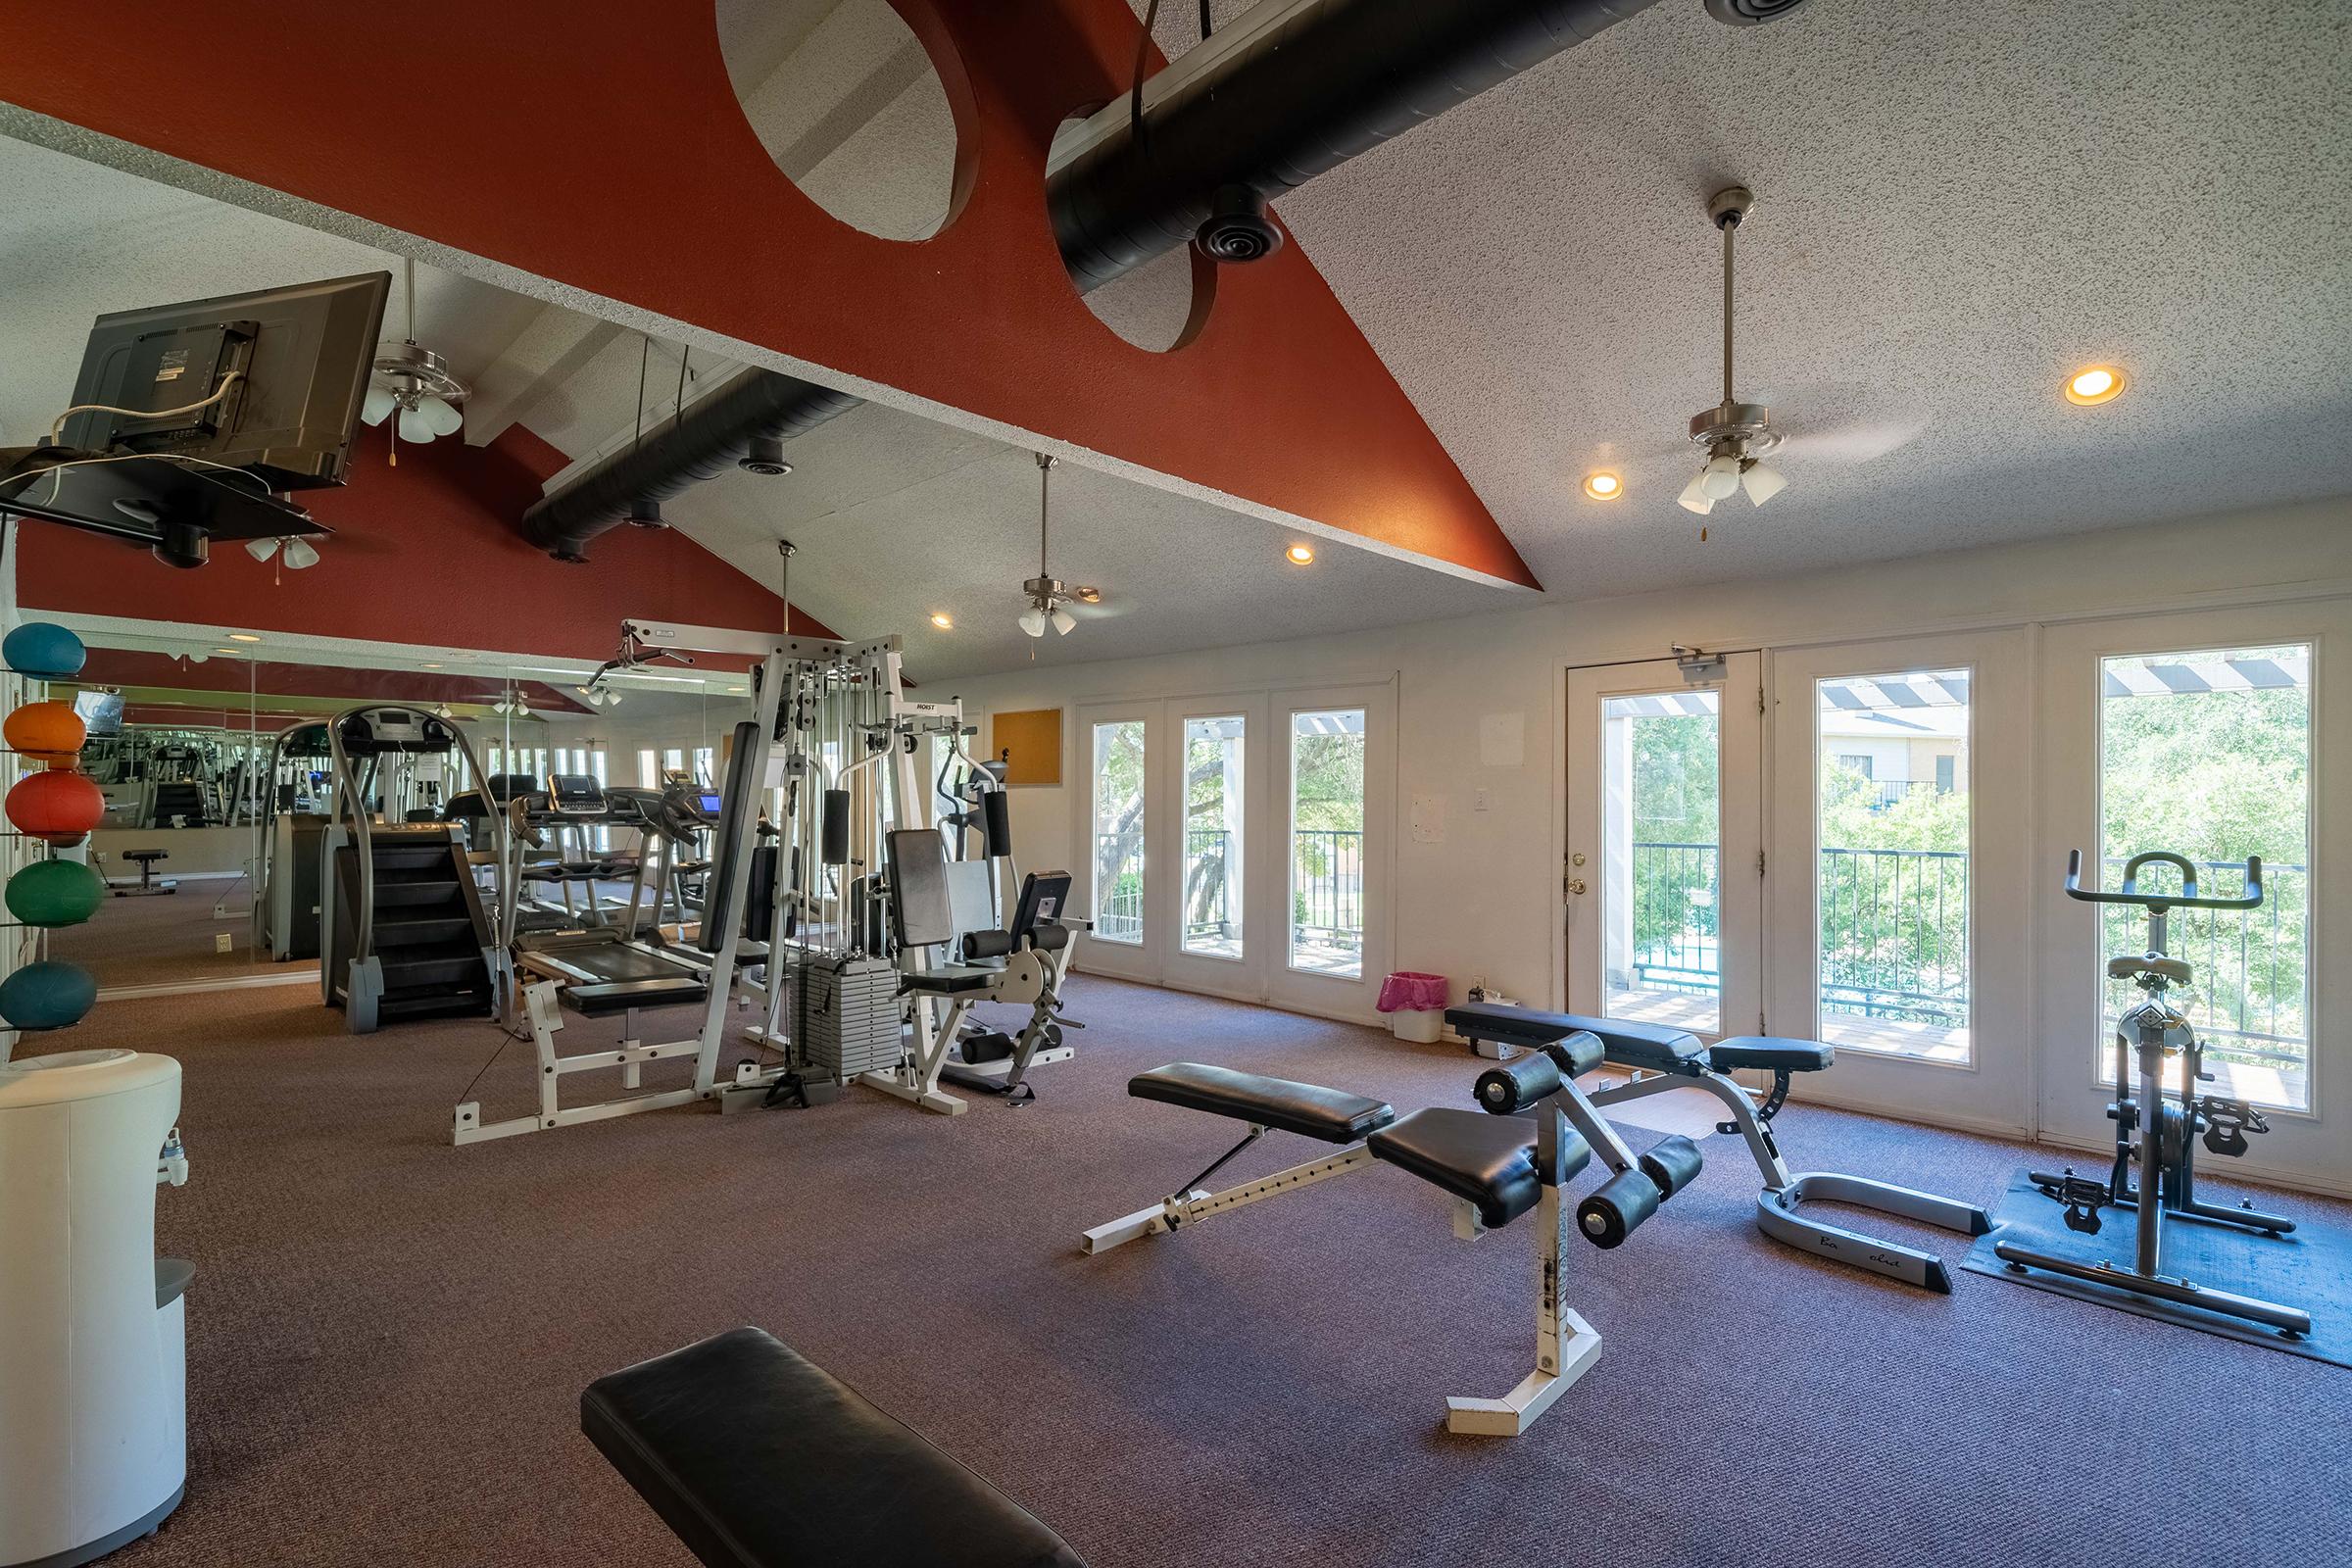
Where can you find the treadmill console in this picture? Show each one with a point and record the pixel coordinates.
(574, 795)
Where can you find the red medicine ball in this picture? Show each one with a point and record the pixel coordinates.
(58, 807)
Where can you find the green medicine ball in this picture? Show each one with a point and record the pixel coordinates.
(55, 893)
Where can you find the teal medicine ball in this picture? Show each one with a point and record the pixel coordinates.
(47, 995)
(55, 893)
(43, 650)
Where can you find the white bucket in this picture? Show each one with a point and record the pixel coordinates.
(1416, 1024)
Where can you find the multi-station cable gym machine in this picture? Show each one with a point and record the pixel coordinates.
(840, 923)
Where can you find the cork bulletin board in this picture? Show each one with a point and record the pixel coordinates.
(1031, 744)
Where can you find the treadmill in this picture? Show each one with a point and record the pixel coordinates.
(604, 968)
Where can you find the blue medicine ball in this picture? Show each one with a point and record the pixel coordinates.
(47, 995)
(43, 650)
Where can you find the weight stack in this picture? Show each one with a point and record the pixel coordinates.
(847, 1015)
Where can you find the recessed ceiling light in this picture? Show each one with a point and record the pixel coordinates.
(734, 688)
(1602, 485)
(2097, 383)
(243, 637)
(430, 666)
(230, 652)
(1301, 554)
(943, 621)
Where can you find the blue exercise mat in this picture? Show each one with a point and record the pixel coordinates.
(2310, 1267)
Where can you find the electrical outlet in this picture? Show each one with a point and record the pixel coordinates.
(1481, 801)
(219, 942)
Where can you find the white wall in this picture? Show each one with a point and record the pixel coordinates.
(1487, 899)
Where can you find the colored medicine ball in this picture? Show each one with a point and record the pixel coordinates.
(55, 893)
(47, 733)
(47, 995)
(58, 807)
(43, 650)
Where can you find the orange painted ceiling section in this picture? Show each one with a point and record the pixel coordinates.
(599, 144)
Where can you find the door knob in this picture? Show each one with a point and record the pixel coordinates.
(1576, 885)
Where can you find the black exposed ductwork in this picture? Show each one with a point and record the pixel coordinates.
(744, 424)
(1301, 96)
(1297, 98)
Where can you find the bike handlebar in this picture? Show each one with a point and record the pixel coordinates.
(2186, 898)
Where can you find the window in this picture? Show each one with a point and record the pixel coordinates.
(1661, 860)
(596, 765)
(1893, 873)
(648, 770)
(1118, 790)
(703, 756)
(1946, 767)
(2208, 755)
(1327, 842)
(1214, 791)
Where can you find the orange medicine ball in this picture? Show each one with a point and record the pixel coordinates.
(55, 805)
(44, 731)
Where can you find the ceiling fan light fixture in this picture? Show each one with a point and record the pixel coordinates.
(300, 555)
(1720, 478)
(1063, 620)
(378, 405)
(1695, 497)
(1033, 621)
(1762, 483)
(261, 549)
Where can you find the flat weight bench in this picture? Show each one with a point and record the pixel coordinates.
(1497, 1167)
(1665, 1058)
(756, 1458)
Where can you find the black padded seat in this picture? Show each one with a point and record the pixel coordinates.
(1654, 1047)
(1773, 1052)
(1308, 1109)
(755, 1459)
(1491, 1161)
(948, 982)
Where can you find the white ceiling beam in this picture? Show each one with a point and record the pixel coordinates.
(542, 360)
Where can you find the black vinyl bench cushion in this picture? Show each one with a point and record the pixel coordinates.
(1491, 1161)
(756, 1458)
(1655, 1047)
(1308, 1109)
(1772, 1052)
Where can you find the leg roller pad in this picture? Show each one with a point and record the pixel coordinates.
(1617, 1206)
(1672, 1165)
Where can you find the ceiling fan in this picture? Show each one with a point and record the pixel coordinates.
(1735, 436)
(416, 383)
(1049, 597)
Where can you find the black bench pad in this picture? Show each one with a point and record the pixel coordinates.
(1772, 1052)
(1491, 1161)
(1308, 1109)
(1655, 1047)
(755, 1459)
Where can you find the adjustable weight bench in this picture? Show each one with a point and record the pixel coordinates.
(1664, 1059)
(756, 1458)
(1497, 1167)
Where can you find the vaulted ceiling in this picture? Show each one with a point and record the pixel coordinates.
(1956, 206)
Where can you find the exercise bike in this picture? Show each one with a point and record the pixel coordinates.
(2157, 1135)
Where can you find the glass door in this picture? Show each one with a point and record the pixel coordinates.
(2207, 735)
(1326, 926)
(1898, 873)
(1121, 799)
(1662, 884)
(1218, 772)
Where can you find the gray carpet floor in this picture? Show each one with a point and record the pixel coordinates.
(388, 1336)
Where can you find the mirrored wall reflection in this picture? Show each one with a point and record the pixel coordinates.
(210, 749)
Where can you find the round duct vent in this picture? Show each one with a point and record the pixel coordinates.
(1236, 229)
(765, 456)
(1750, 13)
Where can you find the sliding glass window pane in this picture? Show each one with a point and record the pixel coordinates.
(1894, 862)
(1327, 842)
(1212, 836)
(1661, 871)
(648, 770)
(2208, 755)
(1119, 832)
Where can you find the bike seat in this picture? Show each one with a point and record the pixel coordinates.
(2126, 967)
